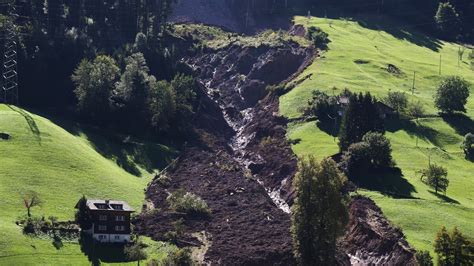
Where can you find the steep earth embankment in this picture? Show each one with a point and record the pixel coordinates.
(371, 240)
(241, 164)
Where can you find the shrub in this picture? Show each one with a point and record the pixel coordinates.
(467, 145)
(178, 257)
(322, 106)
(188, 203)
(319, 38)
(380, 150)
(452, 95)
(397, 100)
(415, 110)
(373, 152)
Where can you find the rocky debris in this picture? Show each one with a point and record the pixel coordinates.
(241, 164)
(297, 30)
(237, 128)
(370, 239)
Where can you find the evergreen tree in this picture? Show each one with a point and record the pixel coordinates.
(442, 247)
(360, 117)
(319, 213)
(453, 248)
(447, 19)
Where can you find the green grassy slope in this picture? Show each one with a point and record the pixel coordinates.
(419, 212)
(61, 167)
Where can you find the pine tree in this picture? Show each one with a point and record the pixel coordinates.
(360, 117)
(442, 247)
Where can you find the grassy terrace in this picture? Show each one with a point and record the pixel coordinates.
(416, 209)
(61, 166)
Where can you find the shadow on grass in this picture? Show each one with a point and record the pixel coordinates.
(329, 127)
(414, 129)
(97, 253)
(379, 23)
(444, 198)
(461, 123)
(128, 153)
(30, 121)
(399, 32)
(390, 182)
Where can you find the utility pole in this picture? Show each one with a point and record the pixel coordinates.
(10, 63)
(440, 64)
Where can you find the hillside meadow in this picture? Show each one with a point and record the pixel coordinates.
(62, 166)
(358, 58)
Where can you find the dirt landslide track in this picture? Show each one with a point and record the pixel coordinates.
(241, 164)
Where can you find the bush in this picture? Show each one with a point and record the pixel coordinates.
(188, 203)
(397, 100)
(178, 257)
(380, 150)
(452, 95)
(319, 38)
(373, 152)
(415, 110)
(467, 145)
(322, 106)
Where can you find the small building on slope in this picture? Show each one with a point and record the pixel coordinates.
(109, 220)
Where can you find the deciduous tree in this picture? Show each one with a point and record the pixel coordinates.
(319, 213)
(435, 176)
(452, 95)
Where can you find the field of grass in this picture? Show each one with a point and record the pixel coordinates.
(61, 167)
(415, 208)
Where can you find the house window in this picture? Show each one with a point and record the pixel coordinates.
(117, 237)
(120, 218)
(119, 228)
(102, 217)
(102, 228)
(101, 237)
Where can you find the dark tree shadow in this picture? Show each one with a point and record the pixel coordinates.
(129, 153)
(329, 126)
(461, 123)
(368, 20)
(401, 33)
(97, 252)
(390, 182)
(30, 121)
(414, 129)
(444, 198)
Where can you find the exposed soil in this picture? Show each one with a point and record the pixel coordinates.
(241, 164)
(370, 238)
(239, 159)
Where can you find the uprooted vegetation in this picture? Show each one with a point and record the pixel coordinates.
(189, 203)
